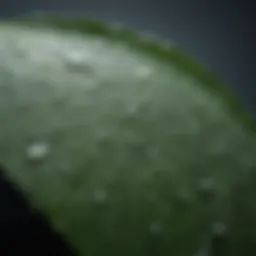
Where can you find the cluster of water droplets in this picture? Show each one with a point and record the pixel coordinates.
(79, 61)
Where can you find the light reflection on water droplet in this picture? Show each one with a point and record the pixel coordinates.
(77, 61)
(75, 57)
(38, 151)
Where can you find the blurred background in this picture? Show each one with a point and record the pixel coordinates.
(219, 33)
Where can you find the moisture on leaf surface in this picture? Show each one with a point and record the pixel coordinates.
(126, 144)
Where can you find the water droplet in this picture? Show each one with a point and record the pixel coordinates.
(77, 61)
(103, 134)
(65, 167)
(184, 195)
(206, 188)
(202, 252)
(153, 152)
(205, 246)
(143, 72)
(132, 108)
(38, 151)
(182, 198)
(219, 229)
(99, 195)
(75, 57)
(156, 228)
(206, 185)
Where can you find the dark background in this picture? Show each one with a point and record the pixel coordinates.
(218, 33)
